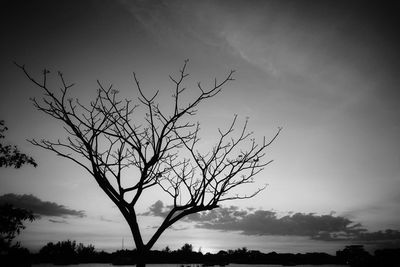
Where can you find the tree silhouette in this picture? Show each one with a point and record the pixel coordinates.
(12, 218)
(10, 154)
(187, 248)
(11, 224)
(67, 252)
(107, 138)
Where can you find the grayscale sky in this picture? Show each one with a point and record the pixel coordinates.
(325, 71)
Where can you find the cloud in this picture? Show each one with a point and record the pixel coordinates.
(380, 235)
(157, 209)
(104, 219)
(263, 222)
(39, 207)
(317, 227)
(268, 223)
(58, 221)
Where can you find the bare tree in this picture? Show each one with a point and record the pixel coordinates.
(106, 139)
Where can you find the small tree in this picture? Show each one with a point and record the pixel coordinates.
(106, 139)
(187, 248)
(12, 218)
(10, 154)
(11, 224)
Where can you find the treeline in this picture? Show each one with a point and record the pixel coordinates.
(70, 252)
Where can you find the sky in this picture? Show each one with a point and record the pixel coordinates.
(324, 71)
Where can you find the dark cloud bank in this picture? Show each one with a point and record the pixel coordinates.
(38, 206)
(263, 222)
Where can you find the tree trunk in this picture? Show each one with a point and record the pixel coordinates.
(141, 253)
(141, 257)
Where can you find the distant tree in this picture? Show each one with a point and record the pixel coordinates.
(65, 252)
(84, 251)
(167, 249)
(10, 154)
(12, 218)
(187, 248)
(11, 224)
(107, 138)
(354, 255)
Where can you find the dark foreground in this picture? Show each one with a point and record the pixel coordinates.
(66, 252)
(182, 265)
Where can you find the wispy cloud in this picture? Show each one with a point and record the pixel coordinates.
(40, 207)
(188, 25)
(104, 219)
(58, 221)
